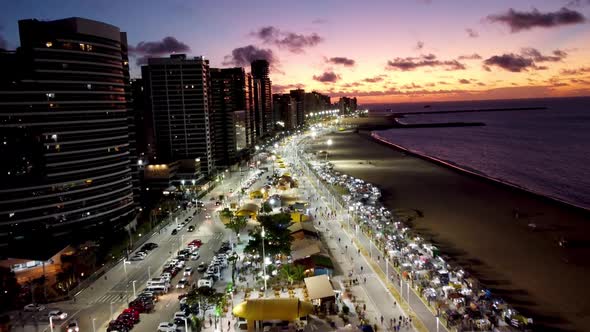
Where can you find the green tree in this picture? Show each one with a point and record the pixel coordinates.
(266, 208)
(10, 290)
(277, 239)
(237, 224)
(226, 213)
(292, 273)
(206, 298)
(233, 258)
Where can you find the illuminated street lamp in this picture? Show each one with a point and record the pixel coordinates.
(329, 144)
(263, 234)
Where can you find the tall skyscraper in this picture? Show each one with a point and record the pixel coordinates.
(231, 111)
(263, 102)
(285, 110)
(65, 136)
(347, 105)
(177, 89)
(299, 99)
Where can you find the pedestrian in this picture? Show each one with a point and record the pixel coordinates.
(361, 269)
(364, 307)
(381, 319)
(391, 322)
(365, 281)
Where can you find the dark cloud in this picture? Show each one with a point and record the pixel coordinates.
(510, 61)
(534, 54)
(373, 79)
(419, 45)
(473, 56)
(411, 86)
(279, 88)
(481, 84)
(518, 21)
(443, 83)
(151, 49)
(578, 3)
(351, 85)
(294, 42)
(243, 56)
(341, 61)
(396, 92)
(580, 81)
(472, 33)
(464, 81)
(428, 60)
(327, 77)
(577, 71)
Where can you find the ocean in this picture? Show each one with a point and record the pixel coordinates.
(544, 151)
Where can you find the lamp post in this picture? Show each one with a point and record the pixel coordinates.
(329, 144)
(263, 234)
(93, 325)
(111, 317)
(51, 323)
(185, 324)
(133, 283)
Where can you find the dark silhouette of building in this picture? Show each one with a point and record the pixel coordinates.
(285, 110)
(178, 93)
(299, 99)
(316, 104)
(347, 105)
(232, 112)
(66, 136)
(262, 98)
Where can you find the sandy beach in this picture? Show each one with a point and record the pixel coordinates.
(473, 221)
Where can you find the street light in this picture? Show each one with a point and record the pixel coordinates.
(329, 143)
(263, 234)
(51, 323)
(185, 324)
(111, 317)
(133, 282)
(93, 326)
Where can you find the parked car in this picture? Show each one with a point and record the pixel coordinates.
(195, 256)
(174, 232)
(187, 271)
(34, 307)
(57, 314)
(116, 326)
(205, 282)
(191, 228)
(167, 327)
(182, 283)
(202, 267)
(73, 326)
(137, 258)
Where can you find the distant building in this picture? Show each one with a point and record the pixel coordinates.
(285, 110)
(178, 92)
(299, 99)
(232, 114)
(67, 138)
(316, 104)
(347, 105)
(262, 98)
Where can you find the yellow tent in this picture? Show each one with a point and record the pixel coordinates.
(258, 194)
(298, 217)
(273, 309)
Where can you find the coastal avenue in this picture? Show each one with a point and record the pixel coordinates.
(112, 293)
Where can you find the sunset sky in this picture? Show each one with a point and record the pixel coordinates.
(380, 51)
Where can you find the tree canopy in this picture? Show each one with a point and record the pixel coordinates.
(277, 238)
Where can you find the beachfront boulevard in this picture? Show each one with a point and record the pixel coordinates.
(288, 245)
(436, 291)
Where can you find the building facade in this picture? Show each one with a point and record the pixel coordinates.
(232, 113)
(64, 114)
(285, 110)
(299, 99)
(347, 105)
(263, 97)
(178, 94)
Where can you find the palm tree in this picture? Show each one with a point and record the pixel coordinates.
(292, 273)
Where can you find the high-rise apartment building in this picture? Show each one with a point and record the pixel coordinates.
(178, 94)
(65, 133)
(231, 112)
(299, 99)
(347, 105)
(285, 110)
(263, 101)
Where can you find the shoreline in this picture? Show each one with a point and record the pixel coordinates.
(473, 223)
(465, 171)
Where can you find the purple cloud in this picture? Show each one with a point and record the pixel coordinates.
(472, 33)
(464, 81)
(419, 45)
(518, 21)
(373, 79)
(327, 77)
(151, 49)
(341, 61)
(577, 71)
(428, 60)
(473, 56)
(243, 56)
(510, 61)
(295, 43)
(534, 54)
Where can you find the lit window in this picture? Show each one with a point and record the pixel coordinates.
(83, 47)
(49, 44)
(89, 86)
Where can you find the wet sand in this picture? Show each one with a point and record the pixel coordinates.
(473, 221)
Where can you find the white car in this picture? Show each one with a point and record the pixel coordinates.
(57, 314)
(208, 216)
(73, 326)
(195, 256)
(182, 283)
(188, 271)
(167, 327)
(34, 307)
